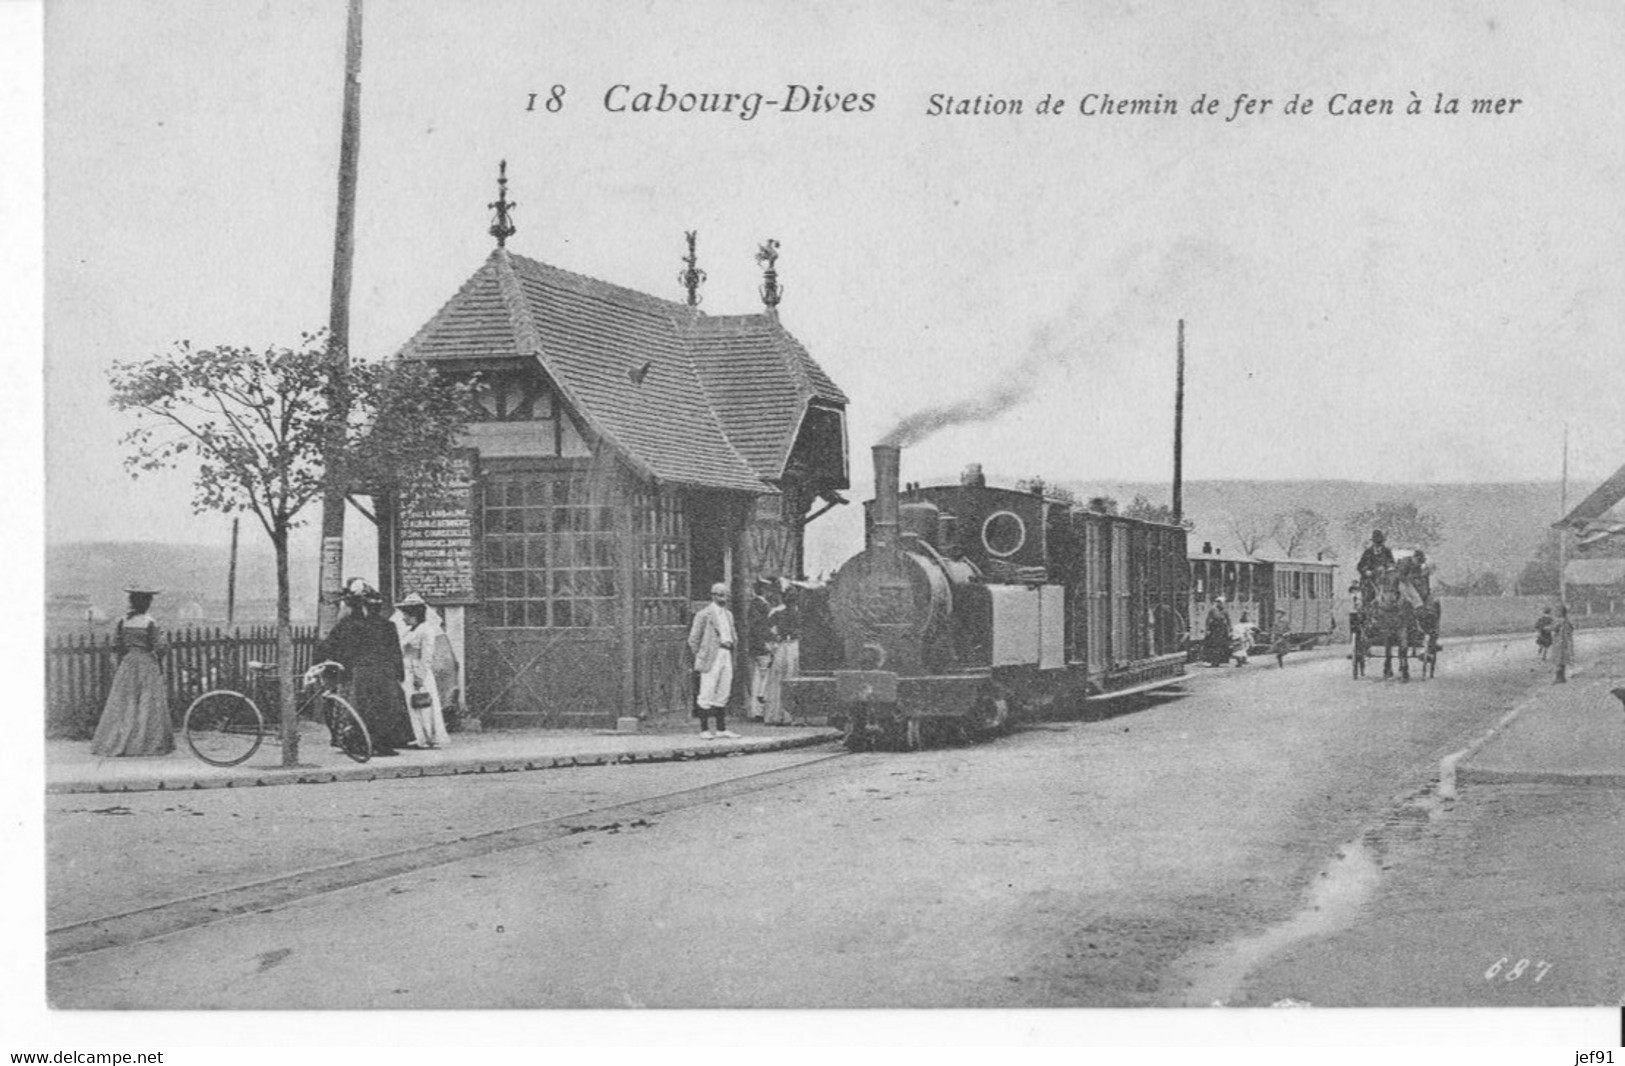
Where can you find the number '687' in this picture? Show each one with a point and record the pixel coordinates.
(1516, 970)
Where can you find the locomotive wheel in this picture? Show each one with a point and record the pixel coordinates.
(992, 714)
(856, 735)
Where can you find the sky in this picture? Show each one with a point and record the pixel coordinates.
(1376, 297)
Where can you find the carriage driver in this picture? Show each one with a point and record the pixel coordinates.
(1377, 555)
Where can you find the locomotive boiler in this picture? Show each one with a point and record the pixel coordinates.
(972, 605)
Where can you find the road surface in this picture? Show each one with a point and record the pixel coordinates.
(1169, 856)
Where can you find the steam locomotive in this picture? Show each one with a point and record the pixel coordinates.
(971, 605)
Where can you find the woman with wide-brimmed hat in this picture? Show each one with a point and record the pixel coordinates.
(363, 642)
(419, 644)
(135, 718)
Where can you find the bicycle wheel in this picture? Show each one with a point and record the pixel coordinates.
(349, 732)
(223, 728)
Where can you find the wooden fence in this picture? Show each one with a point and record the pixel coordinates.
(79, 670)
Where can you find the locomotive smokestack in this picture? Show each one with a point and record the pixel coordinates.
(888, 457)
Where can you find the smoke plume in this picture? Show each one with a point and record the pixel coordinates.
(1154, 291)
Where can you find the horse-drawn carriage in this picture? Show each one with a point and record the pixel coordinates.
(1398, 610)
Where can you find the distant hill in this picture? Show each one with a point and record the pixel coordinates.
(188, 573)
(1494, 527)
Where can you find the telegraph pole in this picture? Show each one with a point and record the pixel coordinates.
(1179, 429)
(1563, 531)
(331, 578)
(231, 578)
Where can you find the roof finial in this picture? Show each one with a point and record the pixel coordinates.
(502, 227)
(772, 292)
(693, 277)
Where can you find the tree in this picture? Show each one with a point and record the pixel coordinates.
(1539, 576)
(1301, 530)
(1101, 505)
(1039, 487)
(1251, 530)
(1146, 511)
(255, 424)
(1405, 525)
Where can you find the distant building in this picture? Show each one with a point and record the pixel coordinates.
(633, 452)
(1596, 585)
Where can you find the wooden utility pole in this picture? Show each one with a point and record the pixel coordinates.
(331, 578)
(1563, 531)
(1179, 429)
(231, 578)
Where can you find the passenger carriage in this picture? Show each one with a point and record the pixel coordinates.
(1306, 589)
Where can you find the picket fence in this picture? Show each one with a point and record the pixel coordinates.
(79, 670)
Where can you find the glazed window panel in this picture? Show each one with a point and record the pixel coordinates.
(661, 528)
(536, 576)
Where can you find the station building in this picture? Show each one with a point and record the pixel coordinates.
(632, 452)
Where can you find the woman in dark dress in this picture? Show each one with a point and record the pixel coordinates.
(135, 719)
(365, 644)
(1216, 642)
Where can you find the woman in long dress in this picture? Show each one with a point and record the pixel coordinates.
(1216, 645)
(418, 647)
(364, 643)
(135, 719)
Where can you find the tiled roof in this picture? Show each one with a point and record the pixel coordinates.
(760, 380)
(718, 406)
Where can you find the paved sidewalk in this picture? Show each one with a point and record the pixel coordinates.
(1572, 734)
(70, 767)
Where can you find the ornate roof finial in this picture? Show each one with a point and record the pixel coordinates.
(772, 292)
(693, 277)
(502, 226)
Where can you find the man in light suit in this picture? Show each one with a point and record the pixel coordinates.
(711, 639)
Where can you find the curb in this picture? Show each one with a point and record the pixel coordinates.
(489, 765)
(1539, 777)
(1450, 775)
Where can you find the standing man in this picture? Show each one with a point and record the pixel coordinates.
(1356, 606)
(1563, 643)
(711, 640)
(1377, 555)
(759, 627)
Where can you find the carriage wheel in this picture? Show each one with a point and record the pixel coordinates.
(223, 728)
(992, 715)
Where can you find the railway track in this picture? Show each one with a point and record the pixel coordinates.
(147, 923)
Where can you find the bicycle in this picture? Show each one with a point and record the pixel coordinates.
(225, 727)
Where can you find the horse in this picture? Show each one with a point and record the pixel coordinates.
(1390, 617)
(1415, 587)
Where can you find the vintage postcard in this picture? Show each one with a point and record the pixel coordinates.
(830, 507)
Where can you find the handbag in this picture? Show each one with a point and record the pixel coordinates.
(420, 701)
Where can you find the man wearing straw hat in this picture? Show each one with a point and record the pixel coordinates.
(711, 640)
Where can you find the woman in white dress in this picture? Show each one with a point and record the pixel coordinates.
(418, 646)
